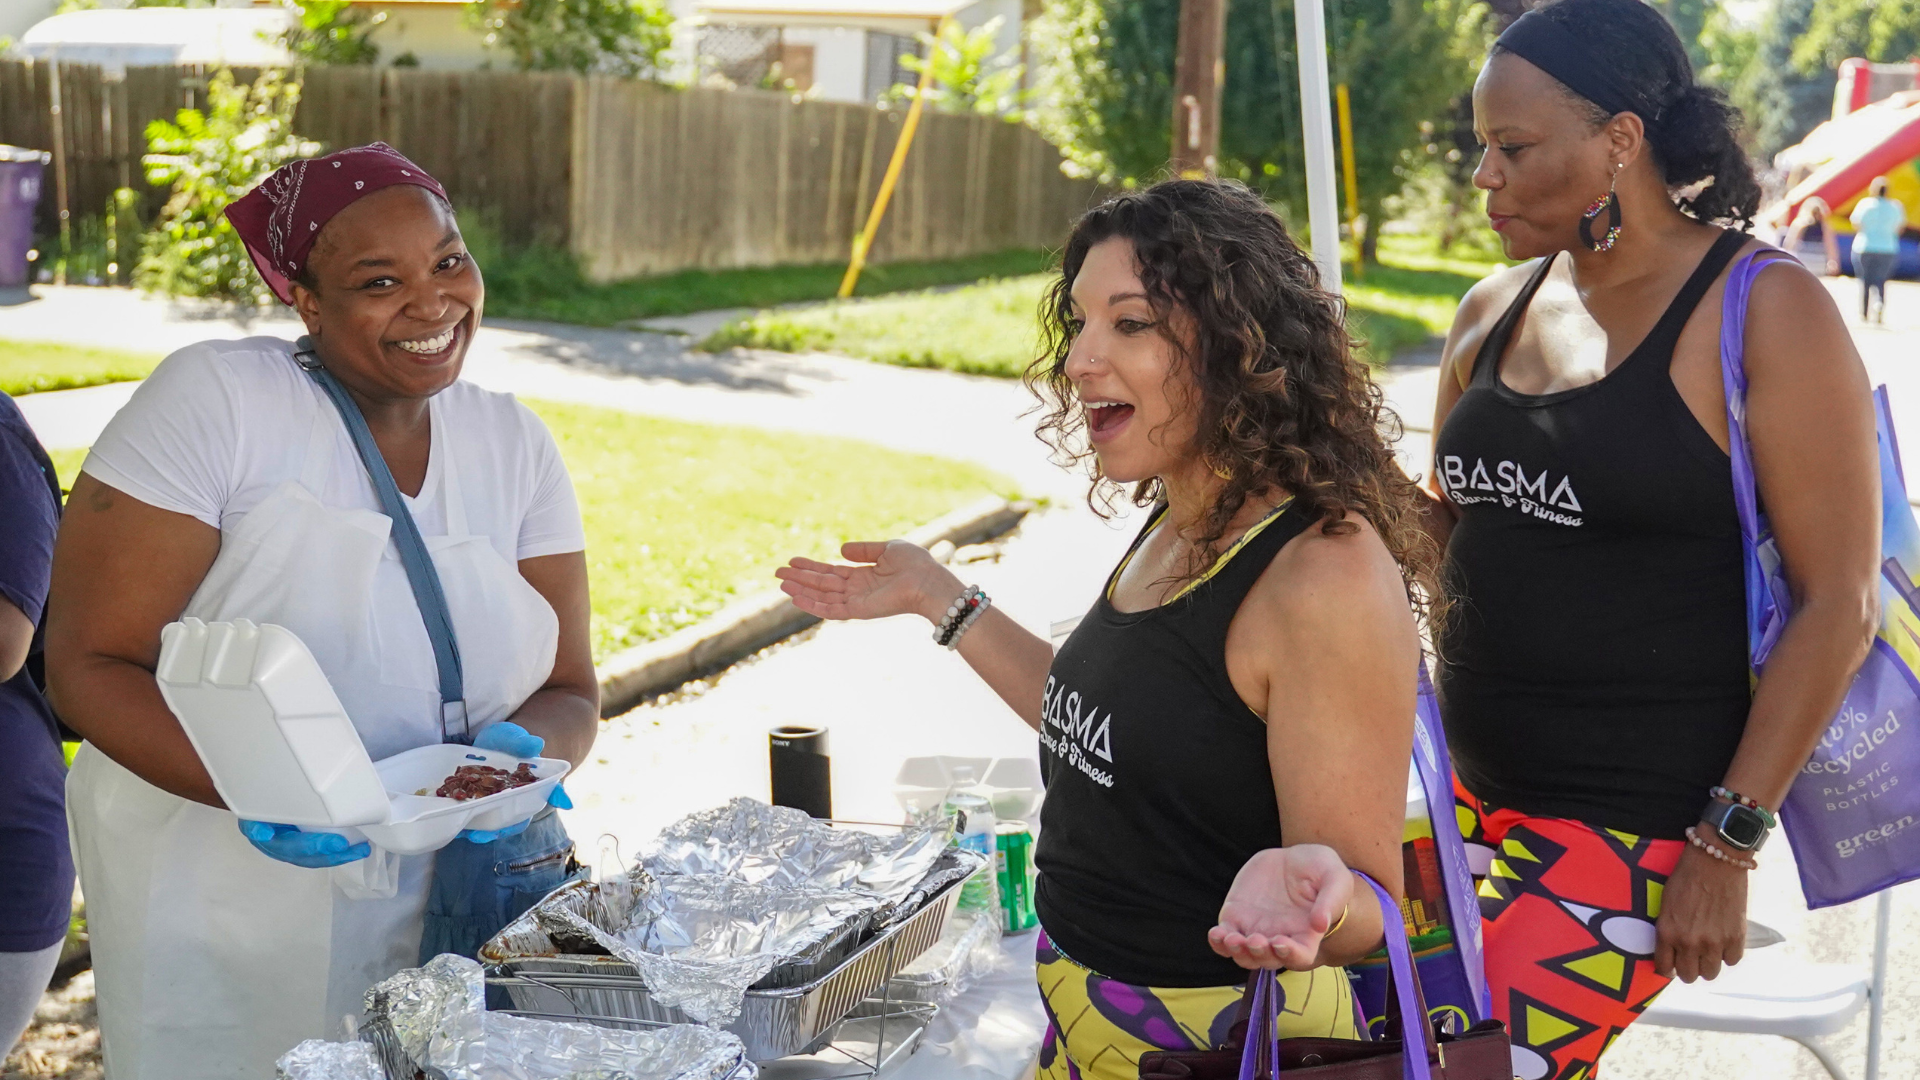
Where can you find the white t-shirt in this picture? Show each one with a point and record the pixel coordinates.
(219, 425)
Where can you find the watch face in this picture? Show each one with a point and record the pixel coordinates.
(1742, 826)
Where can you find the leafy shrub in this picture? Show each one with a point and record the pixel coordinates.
(210, 159)
(619, 37)
(333, 32)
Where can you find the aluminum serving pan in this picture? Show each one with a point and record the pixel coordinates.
(438, 1012)
(773, 1022)
(537, 933)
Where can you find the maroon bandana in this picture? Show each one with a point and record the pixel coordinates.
(279, 219)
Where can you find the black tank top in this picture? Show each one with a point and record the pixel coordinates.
(1158, 786)
(1595, 667)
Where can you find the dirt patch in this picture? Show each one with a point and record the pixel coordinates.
(63, 1042)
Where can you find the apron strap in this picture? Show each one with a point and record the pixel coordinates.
(421, 574)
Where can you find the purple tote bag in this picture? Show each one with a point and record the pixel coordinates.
(1853, 815)
(1445, 926)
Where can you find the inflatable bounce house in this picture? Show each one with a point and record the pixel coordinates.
(1875, 131)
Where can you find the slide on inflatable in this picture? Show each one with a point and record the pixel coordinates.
(1842, 156)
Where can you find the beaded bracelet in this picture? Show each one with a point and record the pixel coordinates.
(967, 621)
(1693, 838)
(960, 615)
(1736, 797)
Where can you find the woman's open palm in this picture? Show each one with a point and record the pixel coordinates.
(889, 578)
(1282, 903)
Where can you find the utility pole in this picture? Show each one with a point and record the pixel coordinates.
(1199, 73)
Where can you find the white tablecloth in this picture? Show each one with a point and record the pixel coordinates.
(991, 1032)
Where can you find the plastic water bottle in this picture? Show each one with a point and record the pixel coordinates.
(977, 828)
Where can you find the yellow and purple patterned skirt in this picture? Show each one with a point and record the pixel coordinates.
(1097, 1027)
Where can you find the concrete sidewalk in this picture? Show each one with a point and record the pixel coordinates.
(655, 374)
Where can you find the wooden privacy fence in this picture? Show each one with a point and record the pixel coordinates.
(632, 177)
(665, 179)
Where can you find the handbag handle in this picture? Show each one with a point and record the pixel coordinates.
(1260, 1055)
(421, 574)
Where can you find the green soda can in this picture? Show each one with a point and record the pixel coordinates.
(1013, 858)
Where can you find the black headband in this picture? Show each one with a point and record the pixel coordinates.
(1555, 50)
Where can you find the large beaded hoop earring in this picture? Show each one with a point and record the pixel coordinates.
(1608, 204)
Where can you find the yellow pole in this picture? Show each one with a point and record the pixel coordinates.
(1345, 104)
(865, 236)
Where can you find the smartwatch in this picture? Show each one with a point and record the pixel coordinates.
(1742, 827)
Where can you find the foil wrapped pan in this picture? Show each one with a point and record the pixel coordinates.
(701, 941)
(774, 1023)
(434, 1019)
(317, 1059)
(783, 847)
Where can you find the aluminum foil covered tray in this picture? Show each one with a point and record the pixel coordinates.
(557, 969)
(433, 1021)
(701, 940)
(783, 847)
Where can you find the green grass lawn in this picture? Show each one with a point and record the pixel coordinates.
(544, 284)
(682, 518)
(28, 367)
(67, 464)
(990, 328)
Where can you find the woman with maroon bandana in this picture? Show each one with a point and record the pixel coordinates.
(238, 483)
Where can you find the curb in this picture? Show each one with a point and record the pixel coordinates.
(752, 623)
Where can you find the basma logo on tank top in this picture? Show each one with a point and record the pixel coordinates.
(1076, 732)
(1510, 485)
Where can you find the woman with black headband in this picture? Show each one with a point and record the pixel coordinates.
(1594, 679)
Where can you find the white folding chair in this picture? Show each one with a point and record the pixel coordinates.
(1771, 993)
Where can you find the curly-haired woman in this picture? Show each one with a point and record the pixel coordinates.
(1213, 730)
(1594, 679)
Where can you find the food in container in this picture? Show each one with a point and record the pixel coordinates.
(479, 781)
(281, 748)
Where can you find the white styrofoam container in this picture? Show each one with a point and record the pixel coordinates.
(422, 823)
(1013, 783)
(281, 748)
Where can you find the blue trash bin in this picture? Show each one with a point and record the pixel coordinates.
(20, 171)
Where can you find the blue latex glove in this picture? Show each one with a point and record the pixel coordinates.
(313, 850)
(508, 737)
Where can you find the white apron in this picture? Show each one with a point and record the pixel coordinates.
(211, 959)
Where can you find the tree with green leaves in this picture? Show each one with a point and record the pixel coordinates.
(1782, 101)
(209, 159)
(621, 37)
(332, 32)
(1689, 19)
(1107, 88)
(969, 74)
(1884, 31)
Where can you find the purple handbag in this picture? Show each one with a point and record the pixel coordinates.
(1479, 1053)
(1852, 812)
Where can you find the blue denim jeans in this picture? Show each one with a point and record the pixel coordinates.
(480, 888)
